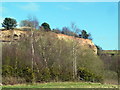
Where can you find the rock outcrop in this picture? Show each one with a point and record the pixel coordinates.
(84, 42)
(11, 35)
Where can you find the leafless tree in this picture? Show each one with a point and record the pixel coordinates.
(34, 21)
(75, 29)
(31, 21)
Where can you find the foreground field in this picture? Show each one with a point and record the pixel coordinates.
(63, 85)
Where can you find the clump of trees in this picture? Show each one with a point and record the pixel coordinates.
(32, 23)
(88, 75)
(85, 35)
(68, 32)
(111, 60)
(53, 60)
(73, 30)
(9, 23)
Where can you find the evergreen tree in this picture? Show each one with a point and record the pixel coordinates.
(84, 34)
(46, 26)
(9, 23)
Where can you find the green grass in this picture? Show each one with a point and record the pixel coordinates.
(62, 85)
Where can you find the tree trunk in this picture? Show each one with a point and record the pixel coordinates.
(32, 51)
(74, 62)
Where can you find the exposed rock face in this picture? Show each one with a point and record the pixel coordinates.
(84, 42)
(11, 35)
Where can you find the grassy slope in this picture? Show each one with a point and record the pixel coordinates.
(63, 85)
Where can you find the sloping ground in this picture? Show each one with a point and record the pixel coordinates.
(84, 42)
(11, 35)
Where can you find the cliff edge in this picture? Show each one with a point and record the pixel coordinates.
(11, 35)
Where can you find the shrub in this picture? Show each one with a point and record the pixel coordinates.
(46, 26)
(46, 75)
(56, 31)
(7, 70)
(27, 73)
(87, 75)
(8, 80)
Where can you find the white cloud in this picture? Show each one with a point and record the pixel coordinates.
(31, 7)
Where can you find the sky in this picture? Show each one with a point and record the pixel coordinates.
(98, 18)
(60, 0)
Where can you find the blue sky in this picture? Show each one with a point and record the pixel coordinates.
(98, 18)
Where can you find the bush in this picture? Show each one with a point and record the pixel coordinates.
(87, 75)
(7, 70)
(27, 73)
(46, 26)
(13, 80)
(46, 75)
(56, 31)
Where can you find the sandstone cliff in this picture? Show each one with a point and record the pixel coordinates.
(84, 42)
(11, 35)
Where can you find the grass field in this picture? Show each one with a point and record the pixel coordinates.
(62, 85)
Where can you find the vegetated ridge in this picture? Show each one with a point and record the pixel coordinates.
(13, 35)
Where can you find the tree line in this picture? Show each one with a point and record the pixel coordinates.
(10, 23)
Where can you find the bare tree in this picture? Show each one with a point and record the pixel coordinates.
(34, 21)
(33, 24)
(75, 29)
(31, 21)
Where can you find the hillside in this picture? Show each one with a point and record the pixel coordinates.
(47, 56)
(12, 35)
(84, 42)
